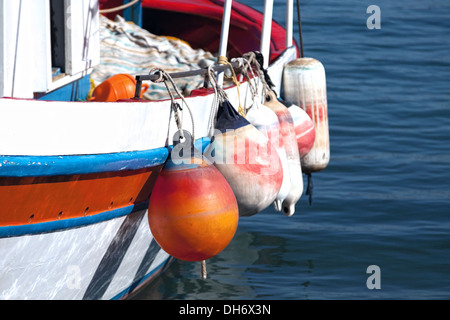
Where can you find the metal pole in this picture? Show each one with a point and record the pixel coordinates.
(289, 22)
(267, 31)
(224, 34)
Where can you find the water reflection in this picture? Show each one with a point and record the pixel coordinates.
(273, 257)
(248, 268)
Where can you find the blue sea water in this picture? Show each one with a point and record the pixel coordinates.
(384, 198)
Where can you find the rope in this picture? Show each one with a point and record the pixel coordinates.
(203, 269)
(252, 59)
(122, 7)
(260, 58)
(246, 68)
(219, 96)
(310, 188)
(224, 60)
(163, 76)
(300, 29)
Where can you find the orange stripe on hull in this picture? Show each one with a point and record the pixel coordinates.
(33, 200)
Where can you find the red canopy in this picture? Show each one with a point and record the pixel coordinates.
(199, 22)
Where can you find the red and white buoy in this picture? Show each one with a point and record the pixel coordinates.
(266, 121)
(247, 160)
(304, 84)
(304, 128)
(289, 143)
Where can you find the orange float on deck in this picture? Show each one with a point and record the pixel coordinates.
(193, 213)
(119, 86)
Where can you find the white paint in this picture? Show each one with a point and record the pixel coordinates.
(44, 266)
(34, 127)
(31, 127)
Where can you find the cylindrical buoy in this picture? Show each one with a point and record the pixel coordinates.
(266, 121)
(289, 142)
(304, 84)
(193, 213)
(119, 86)
(304, 128)
(247, 160)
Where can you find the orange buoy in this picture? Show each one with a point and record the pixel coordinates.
(304, 84)
(193, 213)
(119, 86)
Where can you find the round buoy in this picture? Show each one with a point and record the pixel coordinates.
(193, 213)
(289, 143)
(304, 84)
(119, 86)
(247, 160)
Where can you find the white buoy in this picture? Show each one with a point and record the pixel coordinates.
(288, 140)
(304, 84)
(266, 121)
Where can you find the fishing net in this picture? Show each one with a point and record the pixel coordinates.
(127, 48)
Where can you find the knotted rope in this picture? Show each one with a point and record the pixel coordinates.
(246, 68)
(165, 77)
(252, 60)
(224, 60)
(219, 97)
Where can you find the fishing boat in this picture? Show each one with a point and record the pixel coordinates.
(80, 157)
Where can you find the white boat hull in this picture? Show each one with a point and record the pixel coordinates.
(106, 254)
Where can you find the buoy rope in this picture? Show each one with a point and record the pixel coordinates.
(251, 57)
(224, 60)
(246, 68)
(203, 269)
(122, 7)
(219, 96)
(299, 19)
(310, 188)
(163, 76)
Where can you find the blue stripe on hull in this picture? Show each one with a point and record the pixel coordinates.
(45, 227)
(41, 166)
(144, 281)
